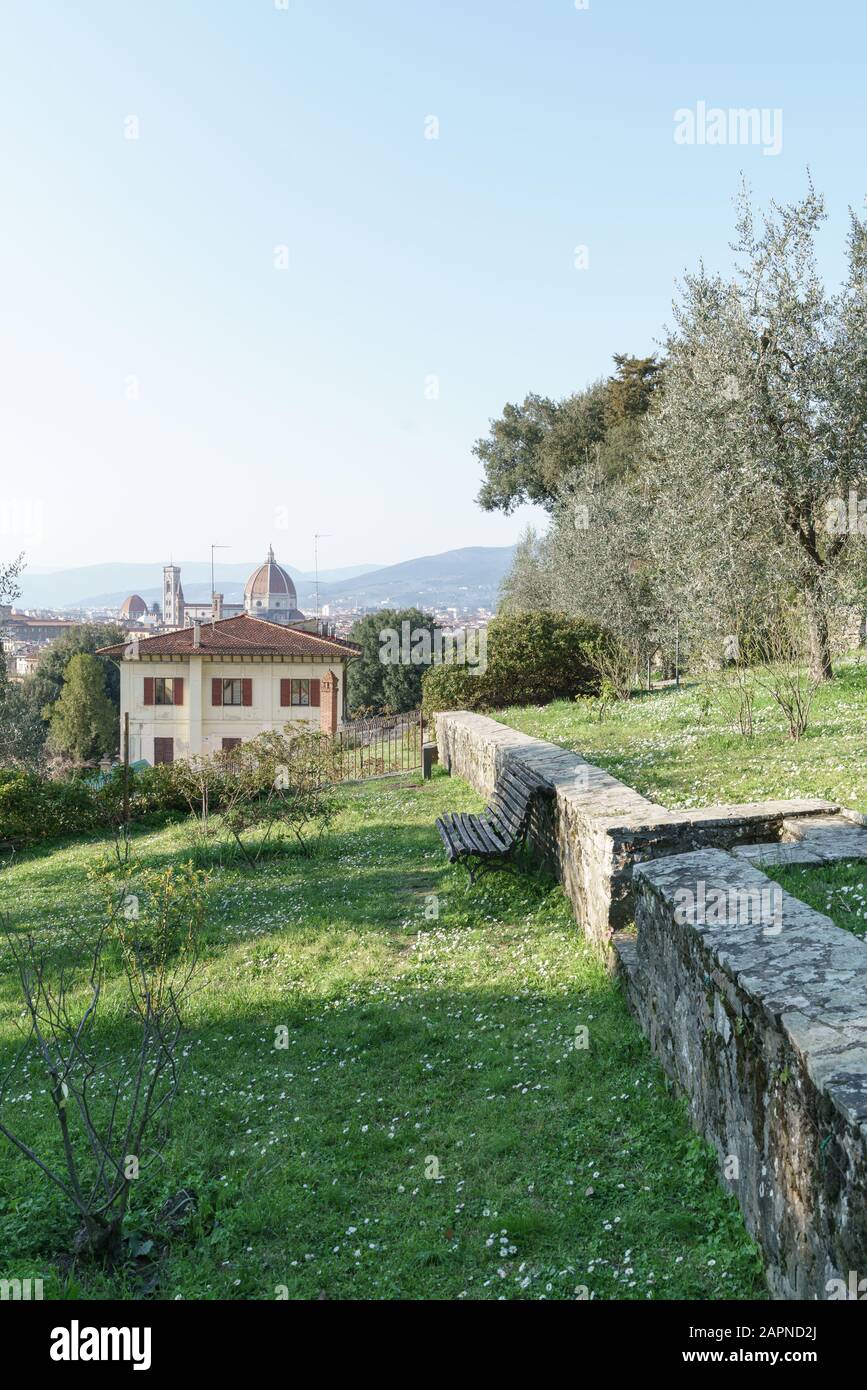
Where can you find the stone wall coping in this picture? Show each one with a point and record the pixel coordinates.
(810, 977)
(612, 804)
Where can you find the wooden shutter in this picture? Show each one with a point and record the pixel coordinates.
(164, 750)
(314, 693)
(246, 691)
(285, 692)
(149, 690)
(179, 690)
(216, 691)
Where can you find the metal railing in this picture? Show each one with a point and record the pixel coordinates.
(378, 747)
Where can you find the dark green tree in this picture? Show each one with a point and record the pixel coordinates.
(22, 728)
(83, 721)
(536, 448)
(46, 683)
(387, 675)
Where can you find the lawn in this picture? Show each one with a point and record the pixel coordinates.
(676, 750)
(432, 1130)
(838, 890)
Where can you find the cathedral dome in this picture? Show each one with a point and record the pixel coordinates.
(133, 607)
(270, 593)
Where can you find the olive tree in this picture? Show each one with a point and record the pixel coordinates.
(762, 425)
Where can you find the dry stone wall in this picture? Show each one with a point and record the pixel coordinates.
(598, 829)
(757, 1007)
(755, 1004)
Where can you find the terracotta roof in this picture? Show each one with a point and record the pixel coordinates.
(240, 636)
(133, 607)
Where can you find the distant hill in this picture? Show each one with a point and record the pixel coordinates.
(469, 577)
(109, 584)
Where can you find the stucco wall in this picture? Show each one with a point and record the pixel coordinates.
(214, 723)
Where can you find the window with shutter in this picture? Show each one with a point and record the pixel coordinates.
(285, 692)
(247, 685)
(216, 691)
(179, 690)
(148, 690)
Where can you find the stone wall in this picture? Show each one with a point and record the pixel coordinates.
(755, 1004)
(761, 1017)
(598, 828)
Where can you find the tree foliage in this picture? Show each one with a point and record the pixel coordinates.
(83, 720)
(762, 429)
(375, 681)
(734, 506)
(531, 658)
(535, 448)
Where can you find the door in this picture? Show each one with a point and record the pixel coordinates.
(231, 743)
(164, 750)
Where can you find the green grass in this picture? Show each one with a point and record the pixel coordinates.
(411, 1039)
(666, 746)
(838, 890)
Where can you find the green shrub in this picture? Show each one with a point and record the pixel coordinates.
(34, 808)
(532, 658)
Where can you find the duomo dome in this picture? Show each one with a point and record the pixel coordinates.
(269, 593)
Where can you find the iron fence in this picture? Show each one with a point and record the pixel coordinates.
(378, 747)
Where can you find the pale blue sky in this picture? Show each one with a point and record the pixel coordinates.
(148, 264)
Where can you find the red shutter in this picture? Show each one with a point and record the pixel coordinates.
(179, 690)
(285, 692)
(216, 691)
(246, 691)
(314, 693)
(149, 690)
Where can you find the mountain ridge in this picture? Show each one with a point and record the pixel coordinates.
(469, 576)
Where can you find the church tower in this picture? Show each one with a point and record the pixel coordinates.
(173, 597)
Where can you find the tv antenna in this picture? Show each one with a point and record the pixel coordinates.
(213, 586)
(320, 536)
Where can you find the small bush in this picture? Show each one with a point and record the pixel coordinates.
(532, 658)
(34, 808)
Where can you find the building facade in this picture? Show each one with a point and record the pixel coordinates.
(208, 687)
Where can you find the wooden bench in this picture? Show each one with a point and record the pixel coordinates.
(490, 837)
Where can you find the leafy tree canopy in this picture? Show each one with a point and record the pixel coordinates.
(46, 683)
(83, 721)
(534, 448)
(376, 681)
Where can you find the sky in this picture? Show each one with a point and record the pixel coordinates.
(269, 267)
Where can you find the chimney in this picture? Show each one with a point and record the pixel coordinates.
(197, 633)
(329, 690)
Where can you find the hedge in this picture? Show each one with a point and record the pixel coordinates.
(532, 658)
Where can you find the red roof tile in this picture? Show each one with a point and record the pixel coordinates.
(240, 636)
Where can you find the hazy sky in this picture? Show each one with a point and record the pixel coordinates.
(166, 383)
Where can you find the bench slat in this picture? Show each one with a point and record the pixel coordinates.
(503, 823)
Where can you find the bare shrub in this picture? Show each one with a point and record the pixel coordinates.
(110, 1102)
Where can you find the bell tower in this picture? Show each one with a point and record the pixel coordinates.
(173, 597)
